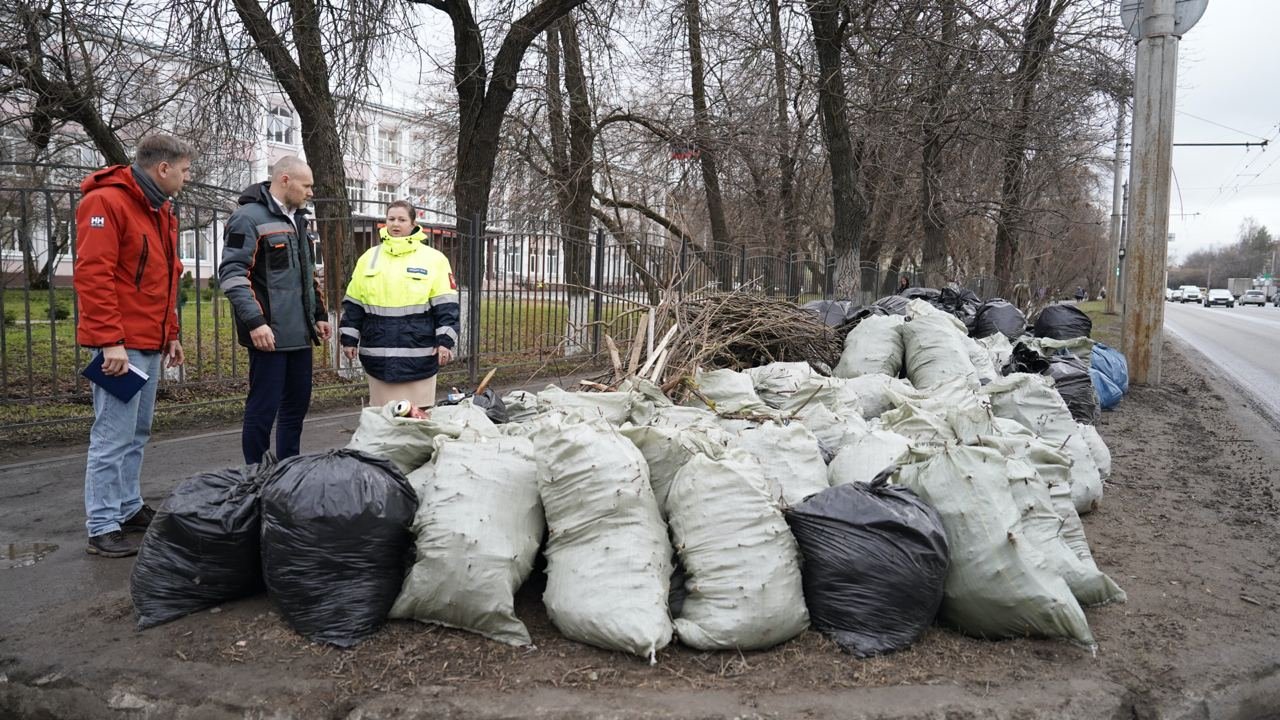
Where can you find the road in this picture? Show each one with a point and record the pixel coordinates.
(1243, 342)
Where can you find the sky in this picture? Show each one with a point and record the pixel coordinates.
(1227, 92)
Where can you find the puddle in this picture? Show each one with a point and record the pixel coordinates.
(16, 555)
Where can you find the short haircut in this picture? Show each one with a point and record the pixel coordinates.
(407, 206)
(288, 165)
(162, 148)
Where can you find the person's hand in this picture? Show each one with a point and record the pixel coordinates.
(445, 354)
(115, 360)
(323, 330)
(350, 352)
(173, 355)
(263, 338)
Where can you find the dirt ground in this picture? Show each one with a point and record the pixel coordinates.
(1188, 527)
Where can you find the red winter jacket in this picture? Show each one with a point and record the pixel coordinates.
(127, 268)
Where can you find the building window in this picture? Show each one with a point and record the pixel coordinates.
(358, 141)
(355, 193)
(553, 257)
(280, 126)
(10, 239)
(386, 193)
(388, 146)
(11, 143)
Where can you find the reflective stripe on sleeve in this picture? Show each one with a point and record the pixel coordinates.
(350, 332)
(444, 299)
(234, 282)
(446, 330)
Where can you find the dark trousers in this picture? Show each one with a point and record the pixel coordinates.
(279, 394)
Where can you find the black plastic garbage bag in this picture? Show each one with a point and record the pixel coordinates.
(875, 560)
(201, 549)
(832, 312)
(488, 401)
(492, 405)
(893, 304)
(336, 542)
(1062, 322)
(1025, 359)
(1075, 385)
(997, 316)
(929, 295)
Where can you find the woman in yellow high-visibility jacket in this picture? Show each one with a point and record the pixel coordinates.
(401, 312)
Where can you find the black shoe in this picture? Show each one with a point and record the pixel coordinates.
(112, 545)
(140, 520)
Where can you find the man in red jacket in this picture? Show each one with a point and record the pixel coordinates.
(126, 280)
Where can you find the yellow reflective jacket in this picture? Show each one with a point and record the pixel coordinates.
(401, 305)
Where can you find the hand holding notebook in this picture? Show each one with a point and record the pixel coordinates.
(122, 386)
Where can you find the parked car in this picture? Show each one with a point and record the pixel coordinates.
(1176, 295)
(1253, 297)
(1191, 293)
(1168, 294)
(1219, 296)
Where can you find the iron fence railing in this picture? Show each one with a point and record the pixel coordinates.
(529, 293)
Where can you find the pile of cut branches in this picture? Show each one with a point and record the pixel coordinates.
(734, 330)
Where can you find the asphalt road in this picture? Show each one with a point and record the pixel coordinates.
(1242, 342)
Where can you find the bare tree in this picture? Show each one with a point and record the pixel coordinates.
(829, 19)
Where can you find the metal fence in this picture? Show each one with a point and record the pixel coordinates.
(529, 293)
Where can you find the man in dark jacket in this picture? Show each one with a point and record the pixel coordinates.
(126, 280)
(268, 273)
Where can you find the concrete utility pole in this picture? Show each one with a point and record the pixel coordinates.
(1117, 199)
(1146, 257)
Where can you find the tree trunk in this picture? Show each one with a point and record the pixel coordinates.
(483, 100)
(306, 82)
(721, 268)
(848, 207)
(933, 223)
(786, 159)
(1038, 37)
(573, 167)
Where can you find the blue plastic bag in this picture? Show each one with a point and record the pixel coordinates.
(1108, 393)
(1113, 365)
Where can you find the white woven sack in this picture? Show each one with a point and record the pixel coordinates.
(1097, 448)
(646, 398)
(667, 449)
(478, 528)
(998, 348)
(1038, 473)
(789, 460)
(408, 442)
(880, 393)
(873, 347)
(742, 563)
(613, 407)
(780, 384)
(728, 391)
(521, 405)
(862, 460)
(981, 360)
(935, 351)
(959, 417)
(608, 556)
(833, 430)
(1032, 401)
(999, 584)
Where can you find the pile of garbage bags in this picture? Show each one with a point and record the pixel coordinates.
(925, 479)
(1091, 377)
(327, 535)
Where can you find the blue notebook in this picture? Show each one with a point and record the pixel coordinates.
(122, 386)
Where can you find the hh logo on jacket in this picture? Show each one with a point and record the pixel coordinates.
(416, 270)
(97, 221)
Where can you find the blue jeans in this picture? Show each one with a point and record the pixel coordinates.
(112, 489)
(279, 394)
